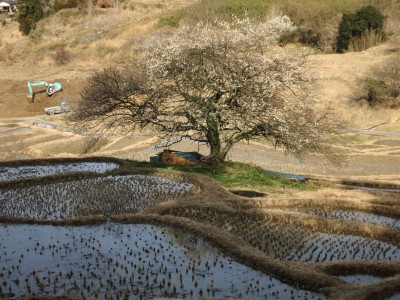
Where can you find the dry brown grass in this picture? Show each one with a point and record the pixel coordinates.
(380, 290)
(104, 36)
(3, 54)
(336, 198)
(378, 268)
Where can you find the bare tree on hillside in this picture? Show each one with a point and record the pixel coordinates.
(216, 84)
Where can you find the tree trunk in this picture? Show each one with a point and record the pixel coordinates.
(214, 139)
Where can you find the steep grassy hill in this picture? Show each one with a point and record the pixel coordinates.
(84, 37)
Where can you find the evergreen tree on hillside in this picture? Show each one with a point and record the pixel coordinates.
(353, 26)
(29, 13)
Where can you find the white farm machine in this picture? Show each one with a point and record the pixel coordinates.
(62, 108)
(50, 88)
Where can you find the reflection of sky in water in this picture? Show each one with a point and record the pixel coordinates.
(355, 216)
(114, 260)
(358, 278)
(394, 297)
(24, 172)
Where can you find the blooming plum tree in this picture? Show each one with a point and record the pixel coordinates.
(217, 84)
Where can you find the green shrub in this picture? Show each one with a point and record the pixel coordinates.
(67, 13)
(63, 4)
(224, 9)
(375, 89)
(309, 36)
(371, 17)
(172, 20)
(360, 25)
(254, 9)
(29, 13)
(383, 87)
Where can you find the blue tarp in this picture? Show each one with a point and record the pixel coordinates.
(288, 175)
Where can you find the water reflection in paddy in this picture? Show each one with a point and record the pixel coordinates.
(25, 172)
(132, 261)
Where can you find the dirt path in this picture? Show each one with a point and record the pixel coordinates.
(374, 132)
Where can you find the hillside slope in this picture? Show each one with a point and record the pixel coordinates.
(340, 86)
(109, 36)
(26, 133)
(94, 41)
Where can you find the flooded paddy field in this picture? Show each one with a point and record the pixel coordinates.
(361, 278)
(25, 172)
(168, 234)
(294, 243)
(112, 261)
(355, 216)
(105, 195)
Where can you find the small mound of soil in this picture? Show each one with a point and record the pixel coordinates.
(249, 193)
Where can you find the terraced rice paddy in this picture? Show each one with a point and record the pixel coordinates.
(164, 234)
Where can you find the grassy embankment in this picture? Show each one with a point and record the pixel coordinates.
(231, 175)
(234, 176)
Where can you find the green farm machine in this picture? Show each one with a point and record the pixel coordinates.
(50, 88)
